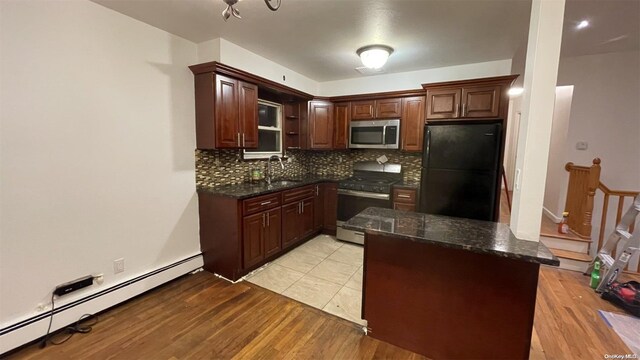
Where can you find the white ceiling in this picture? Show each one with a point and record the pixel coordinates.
(318, 38)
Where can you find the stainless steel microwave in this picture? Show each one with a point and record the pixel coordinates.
(374, 134)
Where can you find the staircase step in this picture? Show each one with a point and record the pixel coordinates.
(566, 254)
(550, 229)
(570, 236)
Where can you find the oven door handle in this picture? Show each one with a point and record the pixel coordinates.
(363, 194)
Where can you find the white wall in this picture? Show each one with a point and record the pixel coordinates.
(233, 55)
(413, 79)
(555, 192)
(97, 149)
(605, 112)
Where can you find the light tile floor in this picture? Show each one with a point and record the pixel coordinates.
(324, 273)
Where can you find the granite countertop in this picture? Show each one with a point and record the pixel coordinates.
(247, 190)
(408, 184)
(473, 235)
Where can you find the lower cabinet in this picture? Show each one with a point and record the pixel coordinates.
(261, 236)
(330, 207)
(405, 199)
(237, 236)
(297, 221)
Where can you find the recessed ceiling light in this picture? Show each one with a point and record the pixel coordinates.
(582, 24)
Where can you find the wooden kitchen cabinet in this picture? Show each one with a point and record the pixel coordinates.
(290, 224)
(297, 221)
(330, 215)
(484, 98)
(318, 209)
(412, 123)
(273, 232)
(253, 239)
(320, 125)
(307, 217)
(226, 112)
(261, 236)
(363, 110)
(405, 199)
(388, 108)
(480, 101)
(443, 104)
(341, 119)
(239, 235)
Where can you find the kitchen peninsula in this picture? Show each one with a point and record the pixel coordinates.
(448, 287)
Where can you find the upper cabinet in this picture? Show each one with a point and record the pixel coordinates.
(376, 109)
(226, 112)
(341, 119)
(388, 108)
(469, 99)
(320, 124)
(412, 123)
(227, 106)
(363, 110)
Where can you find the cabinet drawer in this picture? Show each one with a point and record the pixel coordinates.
(261, 203)
(404, 207)
(407, 196)
(298, 194)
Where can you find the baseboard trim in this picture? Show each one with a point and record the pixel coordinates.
(34, 327)
(551, 215)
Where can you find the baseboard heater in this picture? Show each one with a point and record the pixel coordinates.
(165, 274)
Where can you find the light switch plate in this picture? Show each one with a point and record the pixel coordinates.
(582, 145)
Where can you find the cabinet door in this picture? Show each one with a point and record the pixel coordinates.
(290, 224)
(412, 123)
(252, 230)
(330, 207)
(272, 232)
(388, 108)
(226, 113)
(248, 114)
(318, 210)
(307, 218)
(443, 104)
(362, 110)
(321, 124)
(341, 125)
(480, 101)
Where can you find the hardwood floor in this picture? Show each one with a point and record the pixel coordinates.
(202, 317)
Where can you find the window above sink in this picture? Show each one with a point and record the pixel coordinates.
(269, 131)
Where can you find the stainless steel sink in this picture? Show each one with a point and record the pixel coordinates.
(286, 182)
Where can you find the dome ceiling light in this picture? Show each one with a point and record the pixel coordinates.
(231, 10)
(374, 56)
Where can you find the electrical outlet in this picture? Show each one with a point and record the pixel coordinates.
(582, 145)
(118, 266)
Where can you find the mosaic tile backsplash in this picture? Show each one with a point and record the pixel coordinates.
(222, 167)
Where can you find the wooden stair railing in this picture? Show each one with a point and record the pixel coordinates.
(583, 183)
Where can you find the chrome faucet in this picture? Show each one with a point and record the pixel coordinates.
(269, 174)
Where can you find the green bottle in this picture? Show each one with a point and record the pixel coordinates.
(595, 275)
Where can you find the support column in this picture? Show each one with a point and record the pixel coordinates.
(540, 78)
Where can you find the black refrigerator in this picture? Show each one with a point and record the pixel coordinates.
(461, 169)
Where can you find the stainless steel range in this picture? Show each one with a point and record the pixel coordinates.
(369, 186)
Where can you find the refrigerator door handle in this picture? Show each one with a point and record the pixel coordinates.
(427, 143)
